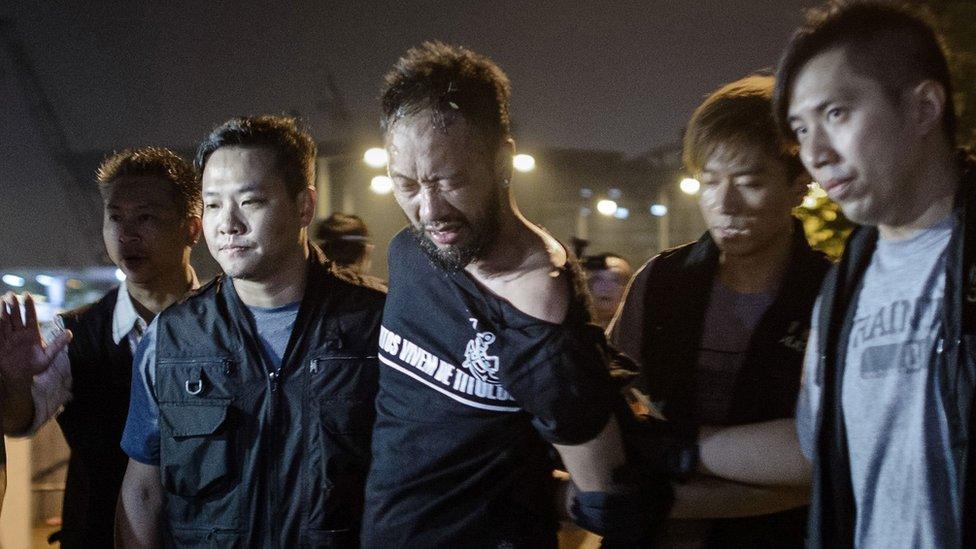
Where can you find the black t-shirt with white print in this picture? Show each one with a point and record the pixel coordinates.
(470, 391)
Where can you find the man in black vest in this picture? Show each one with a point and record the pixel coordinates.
(718, 329)
(885, 412)
(252, 401)
(152, 219)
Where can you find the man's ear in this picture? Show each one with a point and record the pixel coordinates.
(306, 205)
(193, 228)
(927, 104)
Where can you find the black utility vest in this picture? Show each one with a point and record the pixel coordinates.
(92, 423)
(678, 291)
(255, 457)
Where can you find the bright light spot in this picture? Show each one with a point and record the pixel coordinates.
(376, 157)
(809, 202)
(381, 184)
(586, 192)
(621, 213)
(614, 194)
(119, 275)
(13, 280)
(606, 207)
(523, 162)
(44, 280)
(689, 185)
(659, 210)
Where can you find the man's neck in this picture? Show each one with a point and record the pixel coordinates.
(151, 298)
(759, 272)
(515, 250)
(285, 286)
(936, 184)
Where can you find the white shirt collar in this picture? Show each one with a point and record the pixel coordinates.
(125, 319)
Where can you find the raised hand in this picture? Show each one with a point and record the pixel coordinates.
(23, 352)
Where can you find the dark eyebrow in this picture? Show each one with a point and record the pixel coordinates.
(250, 188)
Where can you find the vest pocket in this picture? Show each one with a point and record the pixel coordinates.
(209, 538)
(196, 455)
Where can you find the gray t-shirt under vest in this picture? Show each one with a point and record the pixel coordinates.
(906, 494)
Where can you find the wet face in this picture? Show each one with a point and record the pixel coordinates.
(145, 234)
(448, 186)
(251, 223)
(746, 199)
(854, 139)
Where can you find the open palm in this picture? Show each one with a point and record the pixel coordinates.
(23, 352)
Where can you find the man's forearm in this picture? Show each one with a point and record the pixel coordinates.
(709, 497)
(17, 407)
(138, 514)
(592, 464)
(765, 454)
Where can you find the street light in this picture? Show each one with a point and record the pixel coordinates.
(13, 280)
(659, 210)
(606, 207)
(689, 185)
(523, 162)
(376, 157)
(381, 184)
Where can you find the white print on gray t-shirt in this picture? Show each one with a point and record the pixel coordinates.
(896, 336)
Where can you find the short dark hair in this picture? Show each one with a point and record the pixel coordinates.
(738, 113)
(449, 80)
(294, 147)
(156, 162)
(893, 45)
(343, 238)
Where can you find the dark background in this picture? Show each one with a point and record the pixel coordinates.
(617, 76)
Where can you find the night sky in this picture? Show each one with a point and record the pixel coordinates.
(620, 76)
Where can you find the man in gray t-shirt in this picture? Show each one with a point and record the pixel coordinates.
(884, 413)
(893, 411)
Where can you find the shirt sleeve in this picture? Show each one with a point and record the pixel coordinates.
(808, 402)
(627, 327)
(140, 439)
(50, 389)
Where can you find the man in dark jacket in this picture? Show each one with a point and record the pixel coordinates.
(151, 200)
(252, 399)
(884, 413)
(718, 329)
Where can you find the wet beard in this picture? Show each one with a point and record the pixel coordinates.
(457, 257)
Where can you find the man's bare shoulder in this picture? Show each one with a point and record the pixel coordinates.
(541, 287)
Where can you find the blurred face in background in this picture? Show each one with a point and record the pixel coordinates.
(607, 280)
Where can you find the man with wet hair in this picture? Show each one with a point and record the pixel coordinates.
(718, 329)
(252, 400)
(486, 350)
(81, 370)
(885, 412)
